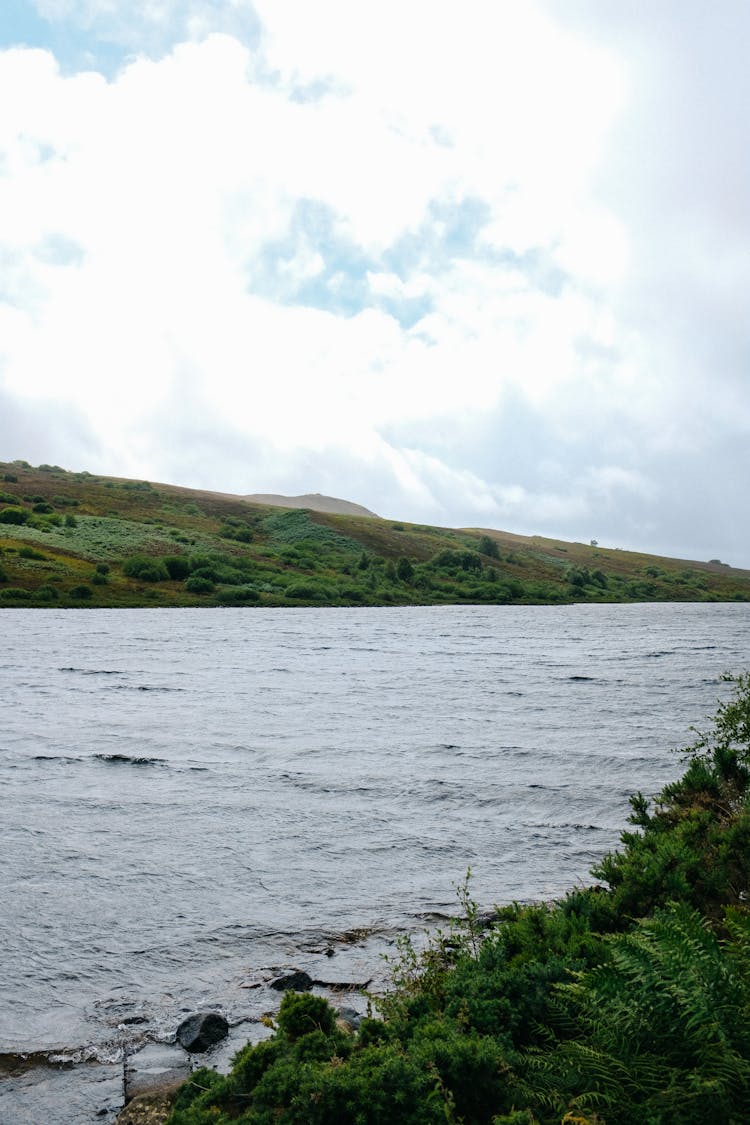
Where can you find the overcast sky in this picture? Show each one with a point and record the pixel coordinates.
(478, 264)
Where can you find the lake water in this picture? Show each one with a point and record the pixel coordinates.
(192, 796)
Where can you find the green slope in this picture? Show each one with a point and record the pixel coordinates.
(77, 539)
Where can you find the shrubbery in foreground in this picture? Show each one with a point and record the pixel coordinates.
(624, 1004)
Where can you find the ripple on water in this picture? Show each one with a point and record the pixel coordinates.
(219, 787)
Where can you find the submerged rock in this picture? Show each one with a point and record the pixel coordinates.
(200, 1031)
(157, 1066)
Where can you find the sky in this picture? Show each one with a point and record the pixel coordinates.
(482, 264)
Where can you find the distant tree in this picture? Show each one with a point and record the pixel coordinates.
(404, 570)
(489, 547)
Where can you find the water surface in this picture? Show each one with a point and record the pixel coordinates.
(190, 795)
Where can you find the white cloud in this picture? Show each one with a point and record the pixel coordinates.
(433, 251)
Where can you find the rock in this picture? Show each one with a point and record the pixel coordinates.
(148, 1109)
(350, 1018)
(299, 981)
(200, 1031)
(156, 1066)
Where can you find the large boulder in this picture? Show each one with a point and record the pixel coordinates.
(200, 1031)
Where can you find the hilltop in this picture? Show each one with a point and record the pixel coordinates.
(77, 538)
(312, 500)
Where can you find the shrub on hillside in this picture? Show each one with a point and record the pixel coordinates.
(236, 529)
(198, 585)
(81, 592)
(15, 594)
(457, 560)
(178, 567)
(14, 515)
(238, 595)
(47, 594)
(145, 569)
(306, 591)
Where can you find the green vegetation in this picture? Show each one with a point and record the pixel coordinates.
(622, 1004)
(172, 546)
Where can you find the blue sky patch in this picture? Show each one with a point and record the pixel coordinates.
(22, 26)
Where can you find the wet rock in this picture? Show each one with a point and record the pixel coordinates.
(344, 985)
(200, 1031)
(299, 981)
(157, 1066)
(249, 1031)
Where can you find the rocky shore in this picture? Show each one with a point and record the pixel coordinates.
(139, 1087)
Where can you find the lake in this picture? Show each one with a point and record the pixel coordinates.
(191, 797)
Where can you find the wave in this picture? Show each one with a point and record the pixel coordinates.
(129, 760)
(92, 671)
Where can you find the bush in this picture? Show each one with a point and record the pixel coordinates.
(47, 594)
(82, 592)
(198, 585)
(240, 595)
(177, 566)
(147, 570)
(301, 1013)
(14, 515)
(14, 594)
(30, 553)
(237, 530)
(306, 591)
(404, 570)
(457, 560)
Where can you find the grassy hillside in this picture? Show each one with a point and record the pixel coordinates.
(78, 539)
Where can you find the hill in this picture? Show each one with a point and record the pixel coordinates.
(312, 500)
(75, 538)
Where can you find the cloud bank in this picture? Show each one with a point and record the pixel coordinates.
(474, 267)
